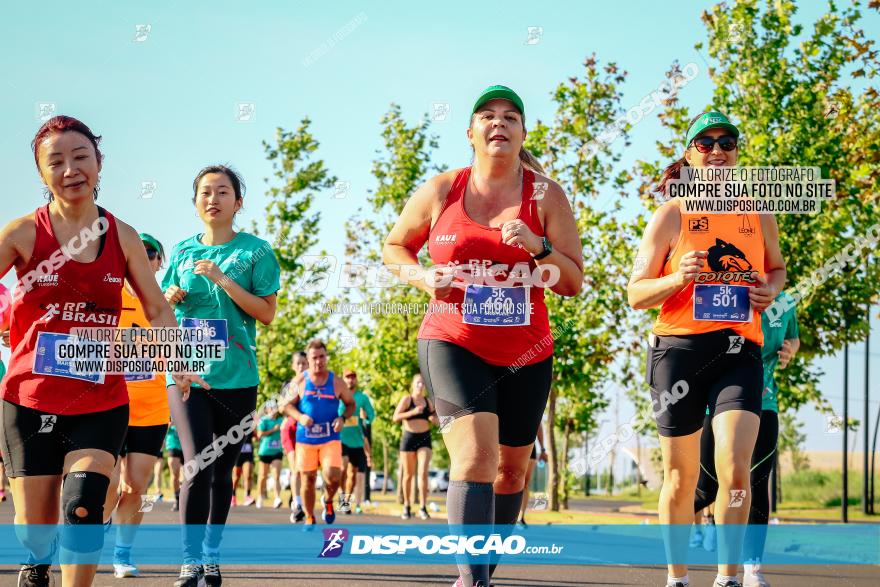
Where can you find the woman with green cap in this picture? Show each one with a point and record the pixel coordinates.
(499, 233)
(147, 424)
(711, 275)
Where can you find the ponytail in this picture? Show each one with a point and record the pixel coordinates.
(672, 171)
(529, 161)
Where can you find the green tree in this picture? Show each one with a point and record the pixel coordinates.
(292, 227)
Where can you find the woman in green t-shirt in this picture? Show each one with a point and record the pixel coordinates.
(221, 281)
(270, 452)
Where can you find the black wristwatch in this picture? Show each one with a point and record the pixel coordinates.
(548, 248)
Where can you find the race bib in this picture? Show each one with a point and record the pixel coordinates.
(496, 306)
(319, 430)
(351, 421)
(247, 448)
(274, 443)
(722, 303)
(47, 363)
(138, 376)
(215, 328)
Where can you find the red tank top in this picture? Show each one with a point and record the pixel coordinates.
(64, 294)
(457, 240)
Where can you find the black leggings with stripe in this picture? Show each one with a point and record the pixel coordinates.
(763, 458)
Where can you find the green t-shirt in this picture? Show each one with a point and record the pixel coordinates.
(352, 434)
(172, 441)
(251, 263)
(271, 443)
(774, 334)
(2, 369)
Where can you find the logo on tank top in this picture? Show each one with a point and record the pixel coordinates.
(444, 239)
(700, 224)
(47, 423)
(746, 227)
(88, 313)
(50, 280)
(727, 263)
(109, 278)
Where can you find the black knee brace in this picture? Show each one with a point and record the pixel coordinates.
(86, 490)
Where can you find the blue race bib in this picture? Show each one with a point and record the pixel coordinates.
(215, 328)
(722, 303)
(319, 430)
(496, 306)
(46, 361)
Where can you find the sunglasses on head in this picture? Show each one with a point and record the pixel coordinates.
(151, 253)
(706, 144)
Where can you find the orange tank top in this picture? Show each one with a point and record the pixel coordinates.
(735, 245)
(147, 398)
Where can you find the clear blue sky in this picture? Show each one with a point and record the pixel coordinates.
(167, 105)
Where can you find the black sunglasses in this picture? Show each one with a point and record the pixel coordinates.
(151, 253)
(706, 144)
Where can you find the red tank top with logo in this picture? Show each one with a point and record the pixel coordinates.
(502, 272)
(59, 294)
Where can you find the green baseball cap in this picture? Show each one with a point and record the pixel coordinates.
(499, 93)
(151, 240)
(707, 120)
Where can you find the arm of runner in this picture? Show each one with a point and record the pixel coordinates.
(774, 267)
(399, 414)
(646, 288)
(789, 349)
(368, 408)
(17, 240)
(156, 308)
(368, 451)
(408, 236)
(344, 393)
(433, 413)
(561, 230)
(261, 308)
(291, 408)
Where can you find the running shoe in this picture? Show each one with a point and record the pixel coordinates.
(2, 495)
(753, 577)
(249, 501)
(191, 575)
(328, 515)
(521, 524)
(259, 502)
(212, 571)
(344, 506)
(175, 507)
(710, 539)
(358, 510)
(671, 583)
(35, 576)
(298, 515)
(728, 583)
(423, 514)
(696, 539)
(310, 525)
(277, 503)
(234, 501)
(406, 515)
(122, 566)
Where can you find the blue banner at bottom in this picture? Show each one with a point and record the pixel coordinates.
(369, 544)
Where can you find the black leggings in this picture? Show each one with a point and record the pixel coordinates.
(763, 458)
(206, 487)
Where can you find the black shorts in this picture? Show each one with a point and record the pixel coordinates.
(245, 457)
(269, 459)
(35, 442)
(721, 370)
(356, 456)
(144, 439)
(175, 452)
(534, 455)
(461, 383)
(413, 441)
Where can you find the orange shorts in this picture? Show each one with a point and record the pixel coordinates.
(328, 454)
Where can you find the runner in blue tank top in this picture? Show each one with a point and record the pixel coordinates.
(314, 403)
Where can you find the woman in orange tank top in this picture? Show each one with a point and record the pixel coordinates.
(711, 275)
